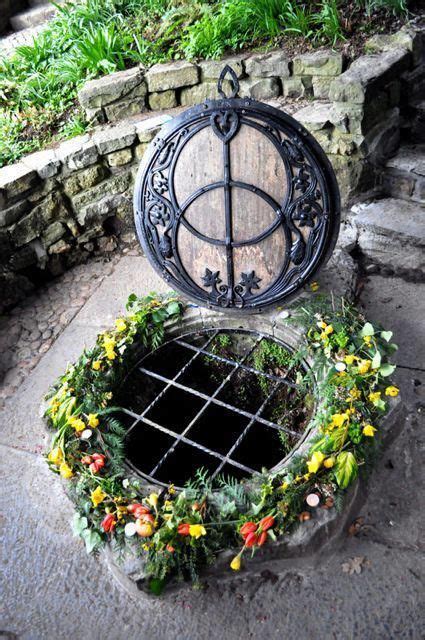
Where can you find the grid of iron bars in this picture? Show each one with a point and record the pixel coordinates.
(209, 399)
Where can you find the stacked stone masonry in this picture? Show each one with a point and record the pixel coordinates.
(59, 205)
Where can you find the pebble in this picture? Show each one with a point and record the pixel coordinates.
(28, 330)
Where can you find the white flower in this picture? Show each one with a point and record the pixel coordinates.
(312, 499)
(284, 314)
(340, 366)
(86, 434)
(125, 483)
(130, 529)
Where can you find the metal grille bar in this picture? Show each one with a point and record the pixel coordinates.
(206, 405)
(211, 399)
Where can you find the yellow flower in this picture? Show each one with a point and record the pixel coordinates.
(56, 456)
(314, 286)
(97, 496)
(392, 391)
(197, 530)
(367, 340)
(315, 462)
(329, 462)
(349, 359)
(152, 500)
(109, 342)
(110, 354)
(368, 430)
(171, 490)
(364, 366)
(76, 423)
(236, 563)
(374, 396)
(167, 516)
(96, 365)
(93, 420)
(168, 505)
(338, 419)
(284, 486)
(120, 324)
(322, 324)
(329, 329)
(65, 470)
(323, 336)
(355, 393)
(307, 476)
(298, 478)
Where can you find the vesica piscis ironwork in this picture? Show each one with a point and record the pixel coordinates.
(297, 202)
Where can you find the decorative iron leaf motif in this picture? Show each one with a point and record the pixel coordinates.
(160, 183)
(298, 251)
(249, 281)
(158, 212)
(306, 213)
(225, 124)
(302, 180)
(233, 79)
(211, 278)
(165, 247)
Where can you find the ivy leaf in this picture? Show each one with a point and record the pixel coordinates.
(376, 361)
(367, 330)
(387, 335)
(325, 445)
(256, 508)
(91, 538)
(173, 308)
(380, 404)
(346, 469)
(78, 523)
(338, 438)
(387, 369)
(131, 299)
(156, 586)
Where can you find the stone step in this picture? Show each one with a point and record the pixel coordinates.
(18, 38)
(391, 233)
(404, 174)
(32, 17)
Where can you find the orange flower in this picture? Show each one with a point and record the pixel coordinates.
(108, 523)
(183, 529)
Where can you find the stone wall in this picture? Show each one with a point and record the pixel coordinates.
(59, 205)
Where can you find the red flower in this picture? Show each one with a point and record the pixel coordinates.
(95, 461)
(262, 538)
(86, 459)
(266, 523)
(170, 548)
(137, 509)
(183, 529)
(108, 523)
(256, 534)
(248, 527)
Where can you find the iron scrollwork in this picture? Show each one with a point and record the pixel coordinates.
(307, 216)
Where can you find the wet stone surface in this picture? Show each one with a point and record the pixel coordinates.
(28, 331)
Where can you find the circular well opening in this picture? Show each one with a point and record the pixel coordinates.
(228, 400)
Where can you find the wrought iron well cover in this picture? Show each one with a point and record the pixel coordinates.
(236, 204)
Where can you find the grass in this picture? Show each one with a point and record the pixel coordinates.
(90, 38)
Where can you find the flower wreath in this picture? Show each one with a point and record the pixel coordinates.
(179, 532)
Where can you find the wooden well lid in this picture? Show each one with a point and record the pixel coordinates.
(236, 204)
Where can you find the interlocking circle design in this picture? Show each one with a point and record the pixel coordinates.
(236, 204)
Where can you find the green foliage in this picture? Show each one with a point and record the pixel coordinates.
(39, 82)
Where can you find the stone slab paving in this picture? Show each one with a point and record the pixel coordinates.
(53, 590)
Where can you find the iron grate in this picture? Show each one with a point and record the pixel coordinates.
(207, 400)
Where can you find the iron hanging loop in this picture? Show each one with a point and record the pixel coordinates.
(234, 82)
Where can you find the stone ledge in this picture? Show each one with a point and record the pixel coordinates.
(367, 73)
(172, 75)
